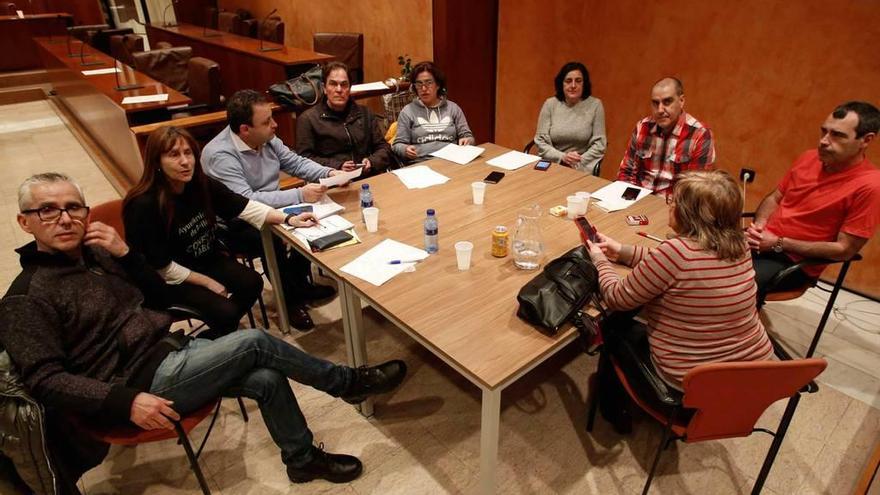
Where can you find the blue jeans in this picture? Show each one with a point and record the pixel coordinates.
(253, 364)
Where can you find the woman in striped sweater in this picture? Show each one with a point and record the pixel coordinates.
(697, 289)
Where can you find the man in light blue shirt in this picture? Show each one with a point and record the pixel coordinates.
(247, 157)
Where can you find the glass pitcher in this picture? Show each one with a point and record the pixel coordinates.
(528, 246)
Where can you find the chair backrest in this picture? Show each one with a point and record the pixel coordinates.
(169, 65)
(227, 21)
(730, 397)
(9, 8)
(109, 213)
(204, 82)
(161, 45)
(247, 27)
(122, 47)
(347, 48)
(273, 30)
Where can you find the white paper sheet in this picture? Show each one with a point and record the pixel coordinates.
(513, 160)
(458, 154)
(328, 225)
(370, 86)
(321, 209)
(610, 197)
(131, 100)
(419, 177)
(373, 265)
(98, 72)
(342, 178)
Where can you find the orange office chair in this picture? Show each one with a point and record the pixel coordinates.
(720, 400)
(132, 435)
(771, 293)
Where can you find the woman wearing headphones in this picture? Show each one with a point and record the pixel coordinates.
(431, 121)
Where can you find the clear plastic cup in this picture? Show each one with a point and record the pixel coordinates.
(576, 206)
(479, 190)
(463, 250)
(586, 197)
(371, 218)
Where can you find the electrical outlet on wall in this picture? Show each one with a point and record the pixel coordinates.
(743, 172)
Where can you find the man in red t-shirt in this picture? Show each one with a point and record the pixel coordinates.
(826, 206)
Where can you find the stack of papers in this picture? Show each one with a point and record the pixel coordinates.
(321, 209)
(132, 100)
(419, 177)
(461, 155)
(339, 179)
(374, 266)
(98, 72)
(513, 160)
(370, 86)
(610, 197)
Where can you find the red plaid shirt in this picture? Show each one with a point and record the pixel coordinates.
(652, 159)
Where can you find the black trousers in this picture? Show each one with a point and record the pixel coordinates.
(294, 268)
(768, 264)
(222, 314)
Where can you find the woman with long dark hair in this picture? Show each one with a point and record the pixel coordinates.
(171, 215)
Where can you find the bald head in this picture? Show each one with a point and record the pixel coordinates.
(667, 102)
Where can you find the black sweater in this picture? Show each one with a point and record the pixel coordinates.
(79, 331)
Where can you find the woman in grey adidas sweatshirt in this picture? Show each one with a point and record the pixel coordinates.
(431, 121)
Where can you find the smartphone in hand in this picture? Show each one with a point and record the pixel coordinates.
(587, 230)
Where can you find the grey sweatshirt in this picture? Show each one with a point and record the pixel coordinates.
(429, 129)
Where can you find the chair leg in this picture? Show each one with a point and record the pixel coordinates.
(193, 460)
(210, 427)
(263, 313)
(664, 442)
(828, 307)
(251, 320)
(244, 414)
(777, 443)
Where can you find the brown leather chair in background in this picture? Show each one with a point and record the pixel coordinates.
(101, 38)
(161, 45)
(227, 21)
(8, 8)
(273, 30)
(247, 27)
(205, 90)
(122, 46)
(169, 65)
(347, 48)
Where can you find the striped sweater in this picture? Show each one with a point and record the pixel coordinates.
(699, 309)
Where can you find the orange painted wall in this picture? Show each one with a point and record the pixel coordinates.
(763, 74)
(390, 28)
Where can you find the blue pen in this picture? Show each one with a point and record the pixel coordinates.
(400, 262)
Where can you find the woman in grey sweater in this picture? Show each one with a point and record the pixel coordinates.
(431, 121)
(571, 126)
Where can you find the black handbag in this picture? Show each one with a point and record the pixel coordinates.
(557, 294)
(300, 92)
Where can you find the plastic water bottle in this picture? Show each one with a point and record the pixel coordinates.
(431, 233)
(366, 196)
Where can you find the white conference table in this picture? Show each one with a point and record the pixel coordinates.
(466, 318)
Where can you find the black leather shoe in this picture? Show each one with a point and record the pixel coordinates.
(375, 380)
(317, 292)
(335, 468)
(299, 318)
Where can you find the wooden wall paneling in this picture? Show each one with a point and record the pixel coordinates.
(390, 28)
(465, 47)
(762, 74)
(84, 12)
(16, 38)
(192, 11)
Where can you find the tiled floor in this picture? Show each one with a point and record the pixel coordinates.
(424, 438)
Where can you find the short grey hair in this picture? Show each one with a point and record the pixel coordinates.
(24, 190)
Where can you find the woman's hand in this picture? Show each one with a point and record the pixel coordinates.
(306, 219)
(411, 152)
(465, 141)
(214, 286)
(609, 247)
(571, 159)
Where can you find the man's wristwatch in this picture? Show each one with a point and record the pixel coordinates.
(777, 248)
(291, 215)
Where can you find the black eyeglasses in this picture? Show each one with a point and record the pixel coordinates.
(424, 84)
(53, 213)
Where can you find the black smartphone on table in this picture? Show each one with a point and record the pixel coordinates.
(630, 194)
(494, 178)
(542, 165)
(587, 230)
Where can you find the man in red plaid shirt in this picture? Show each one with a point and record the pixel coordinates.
(666, 143)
